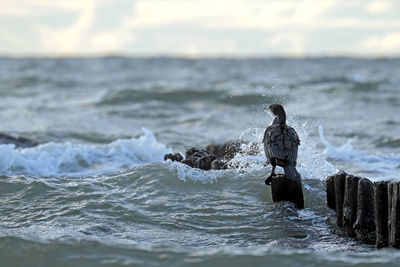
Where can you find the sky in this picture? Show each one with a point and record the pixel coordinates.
(196, 28)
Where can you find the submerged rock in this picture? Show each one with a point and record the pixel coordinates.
(214, 157)
(174, 157)
(218, 164)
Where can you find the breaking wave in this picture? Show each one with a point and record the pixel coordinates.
(67, 159)
(385, 165)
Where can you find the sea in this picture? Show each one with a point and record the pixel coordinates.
(96, 191)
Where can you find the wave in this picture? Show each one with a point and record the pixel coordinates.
(310, 163)
(365, 161)
(67, 159)
(388, 142)
(77, 160)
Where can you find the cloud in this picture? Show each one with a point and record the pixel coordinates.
(293, 43)
(229, 13)
(382, 44)
(206, 27)
(84, 36)
(378, 7)
(37, 7)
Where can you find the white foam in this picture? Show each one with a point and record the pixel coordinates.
(186, 173)
(367, 162)
(311, 164)
(67, 159)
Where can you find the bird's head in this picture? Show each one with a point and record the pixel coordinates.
(278, 112)
(276, 109)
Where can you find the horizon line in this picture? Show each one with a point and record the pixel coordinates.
(200, 56)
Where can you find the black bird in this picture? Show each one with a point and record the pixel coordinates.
(280, 145)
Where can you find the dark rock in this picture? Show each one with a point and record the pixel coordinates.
(364, 226)
(199, 158)
(190, 152)
(188, 162)
(217, 150)
(204, 162)
(214, 156)
(339, 180)
(381, 213)
(178, 157)
(229, 149)
(174, 157)
(168, 156)
(284, 189)
(19, 142)
(330, 192)
(218, 164)
(350, 205)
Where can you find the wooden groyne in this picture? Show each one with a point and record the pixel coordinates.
(367, 211)
(284, 189)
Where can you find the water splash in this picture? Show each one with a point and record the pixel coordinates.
(67, 159)
(386, 165)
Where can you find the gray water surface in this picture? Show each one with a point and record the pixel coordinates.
(97, 191)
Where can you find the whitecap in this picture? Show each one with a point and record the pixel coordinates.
(383, 165)
(68, 159)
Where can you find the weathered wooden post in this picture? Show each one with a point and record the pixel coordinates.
(350, 205)
(284, 189)
(368, 211)
(330, 192)
(339, 196)
(381, 209)
(364, 226)
(394, 216)
(390, 196)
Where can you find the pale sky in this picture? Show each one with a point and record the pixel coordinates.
(200, 27)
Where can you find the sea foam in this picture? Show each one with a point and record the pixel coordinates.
(311, 163)
(75, 160)
(67, 159)
(384, 166)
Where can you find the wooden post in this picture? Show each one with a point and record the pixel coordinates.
(394, 217)
(330, 192)
(287, 189)
(390, 196)
(364, 226)
(381, 213)
(350, 205)
(339, 196)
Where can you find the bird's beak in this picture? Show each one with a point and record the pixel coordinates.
(271, 114)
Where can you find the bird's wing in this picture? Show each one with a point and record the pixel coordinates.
(273, 145)
(281, 142)
(291, 143)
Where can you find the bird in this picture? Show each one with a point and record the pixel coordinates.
(281, 144)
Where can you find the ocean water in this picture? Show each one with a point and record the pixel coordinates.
(96, 191)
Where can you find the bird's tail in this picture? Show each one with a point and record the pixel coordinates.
(291, 172)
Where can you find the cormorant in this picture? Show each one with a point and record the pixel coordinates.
(280, 145)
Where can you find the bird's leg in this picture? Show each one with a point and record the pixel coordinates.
(273, 170)
(269, 179)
